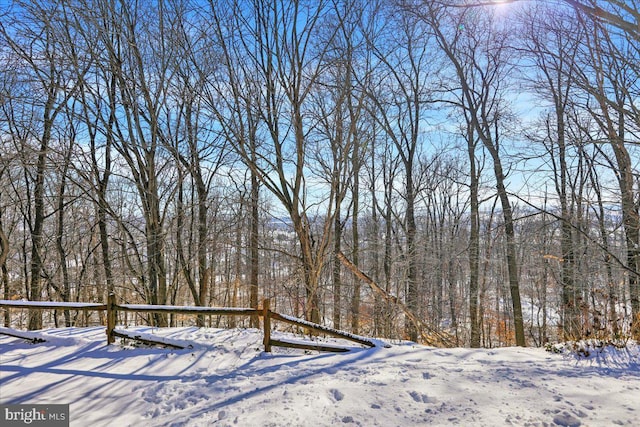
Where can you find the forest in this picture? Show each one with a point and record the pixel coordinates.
(406, 169)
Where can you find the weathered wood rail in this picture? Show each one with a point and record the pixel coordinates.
(112, 308)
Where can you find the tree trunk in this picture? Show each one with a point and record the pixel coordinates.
(474, 241)
(254, 260)
(512, 261)
(412, 274)
(35, 289)
(337, 280)
(355, 258)
(4, 254)
(65, 286)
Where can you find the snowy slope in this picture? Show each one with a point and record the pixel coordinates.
(226, 380)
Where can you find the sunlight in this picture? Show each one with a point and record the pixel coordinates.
(500, 7)
(500, 4)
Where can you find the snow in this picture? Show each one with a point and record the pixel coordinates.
(226, 379)
(32, 336)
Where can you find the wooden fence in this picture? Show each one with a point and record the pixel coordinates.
(112, 308)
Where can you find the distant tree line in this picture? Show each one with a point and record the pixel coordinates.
(477, 162)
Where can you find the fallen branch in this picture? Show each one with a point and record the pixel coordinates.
(429, 335)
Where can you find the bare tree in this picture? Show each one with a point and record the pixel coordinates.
(608, 76)
(477, 57)
(199, 151)
(271, 45)
(552, 42)
(399, 99)
(143, 74)
(4, 278)
(613, 46)
(40, 44)
(338, 107)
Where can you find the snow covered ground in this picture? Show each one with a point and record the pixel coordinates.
(226, 380)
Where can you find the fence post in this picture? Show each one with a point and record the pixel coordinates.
(266, 315)
(111, 317)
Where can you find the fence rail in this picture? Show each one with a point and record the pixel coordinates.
(53, 305)
(111, 307)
